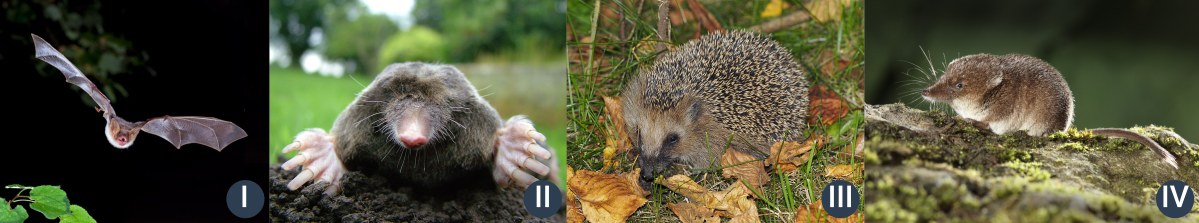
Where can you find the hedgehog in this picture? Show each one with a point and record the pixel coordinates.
(737, 89)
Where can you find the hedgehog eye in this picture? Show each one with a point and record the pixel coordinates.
(671, 140)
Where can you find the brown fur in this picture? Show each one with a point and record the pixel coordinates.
(461, 123)
(1013, 92)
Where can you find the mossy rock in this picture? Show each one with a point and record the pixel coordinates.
(932, 166)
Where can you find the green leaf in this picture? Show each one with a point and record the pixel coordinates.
(50, 201)
(15, 186)
(12, 215)
(53, 13)
(110, 64)
(78, 215)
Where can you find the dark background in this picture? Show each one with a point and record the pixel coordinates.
(201, 58)
(1127, 62)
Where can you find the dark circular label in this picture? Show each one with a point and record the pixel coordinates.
(543, 199)
(245, 199)
(1175, 198)
(840, 199)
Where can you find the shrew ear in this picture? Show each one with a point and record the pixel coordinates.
(996, 76)
(995, 79)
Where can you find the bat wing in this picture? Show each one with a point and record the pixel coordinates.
(47, 53)
(211, 132)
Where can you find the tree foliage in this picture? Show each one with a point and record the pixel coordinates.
(76, 28)
(477, 27)
(357, 37)
(417, 44)
(298, 18)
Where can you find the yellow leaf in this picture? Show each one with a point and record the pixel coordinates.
(826, 10)
(815, 213)
(774, 8)
(733, 202)
(786, 155)
(609, 155)
(690, 212)
(850, 172)
(741, 165)
(617, 137)
(606, 197)
(574, 213)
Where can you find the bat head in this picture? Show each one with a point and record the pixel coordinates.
(120, 133)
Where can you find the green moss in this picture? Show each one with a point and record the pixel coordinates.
(888, 211)
(949, 175)
(1021, 155)
(1072, 134)
(1074, 146)
(1032, 170)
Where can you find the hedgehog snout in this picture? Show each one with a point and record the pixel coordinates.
(649, 169)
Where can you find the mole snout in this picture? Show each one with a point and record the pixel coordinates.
(413, 141)
(413, 132)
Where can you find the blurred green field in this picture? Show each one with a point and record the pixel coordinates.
(300, 101)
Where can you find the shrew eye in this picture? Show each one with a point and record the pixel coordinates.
(671, 140)
(959, 85)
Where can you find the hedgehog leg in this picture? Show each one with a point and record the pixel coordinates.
(318, 159)
(522, 156)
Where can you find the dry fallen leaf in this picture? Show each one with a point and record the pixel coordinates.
(849, 172)
(826, 106)
(854, 148)
(605, 197)
(733, 202)
(570, 173)
(617, 137)
(831, 62)
(574, 213)
(786, 155)
(774, 8)
(742, 166)
(826, 10)
(690, 212)
(815, 213)
(689, 188)
(742, 208)
(634, 178)
(617, 140)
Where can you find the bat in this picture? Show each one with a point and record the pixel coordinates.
(179, 130)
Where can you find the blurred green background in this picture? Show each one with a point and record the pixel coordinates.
(324, 52)
(1127, 62)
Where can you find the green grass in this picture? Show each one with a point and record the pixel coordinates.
(617, 63)
(300, 101)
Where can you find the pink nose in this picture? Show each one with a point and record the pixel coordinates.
(413, 142)
(121, 140)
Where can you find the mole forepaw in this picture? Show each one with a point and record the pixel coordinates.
(522, 157)
(318, 159)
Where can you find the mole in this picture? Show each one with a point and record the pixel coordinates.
(424, 125)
